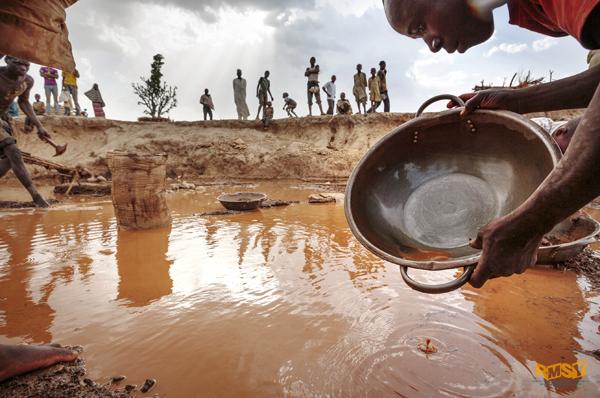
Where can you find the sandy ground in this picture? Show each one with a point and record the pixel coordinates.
(306, 148)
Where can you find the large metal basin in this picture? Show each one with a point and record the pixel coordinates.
(425, 189)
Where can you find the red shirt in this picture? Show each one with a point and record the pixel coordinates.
(552, 17)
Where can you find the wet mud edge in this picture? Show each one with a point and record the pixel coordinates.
(65, 380)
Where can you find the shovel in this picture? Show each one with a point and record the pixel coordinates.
(60, 149)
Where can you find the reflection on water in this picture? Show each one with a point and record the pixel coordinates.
(143, 266)
(278, 302)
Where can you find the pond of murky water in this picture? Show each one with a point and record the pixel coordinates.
(280, 302)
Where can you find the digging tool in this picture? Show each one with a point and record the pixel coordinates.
(60, 149)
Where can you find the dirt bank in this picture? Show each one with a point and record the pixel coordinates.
(319, 147)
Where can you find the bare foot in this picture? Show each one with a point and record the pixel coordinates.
(40, 201)
(17, 360)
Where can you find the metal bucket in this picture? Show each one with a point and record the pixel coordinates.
(426, 188)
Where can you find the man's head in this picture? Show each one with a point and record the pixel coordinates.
(359, 67)
(267, 73)
(450, 24)
(206, 91)
(382, 65)
(269, 104)
(313, 61)
(239, 73)
(17, 66)
(333, 78)
(285, 95)
(343, 96)
(373, 71)
(37, 97)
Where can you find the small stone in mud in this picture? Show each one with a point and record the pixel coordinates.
(88, 382)
(130, 387)
(321, 198)
(426, 347)
(117, 378)
(148, 385)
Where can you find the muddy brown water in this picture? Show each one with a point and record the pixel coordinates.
(279, 302)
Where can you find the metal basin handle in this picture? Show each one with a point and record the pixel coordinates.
(437, 98)
(437, 289)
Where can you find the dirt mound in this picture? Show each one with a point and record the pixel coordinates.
(323, 147)
(319, 147)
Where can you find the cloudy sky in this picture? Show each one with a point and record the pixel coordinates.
(205, 42)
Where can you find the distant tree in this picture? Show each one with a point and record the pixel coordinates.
(158, 97)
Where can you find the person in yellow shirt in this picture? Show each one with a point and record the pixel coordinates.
(375, 91)
(70, 84)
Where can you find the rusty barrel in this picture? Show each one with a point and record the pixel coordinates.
(138, 190)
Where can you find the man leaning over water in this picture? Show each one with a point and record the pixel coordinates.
(510, 243)
(15, 82)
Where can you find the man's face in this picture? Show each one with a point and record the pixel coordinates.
(359, 67)
(333, 78)
(17, 66)
(267, 74)
(313, 60)
(448, 24)
(239, 73)
(37, 97)
(382, 65)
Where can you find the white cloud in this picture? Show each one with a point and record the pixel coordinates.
(544, 44)
(436, 71)
(203, 45)
(508, 48)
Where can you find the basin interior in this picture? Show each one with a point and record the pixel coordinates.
(427, 188)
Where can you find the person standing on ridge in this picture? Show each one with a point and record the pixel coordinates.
(97, 101)
(360, 88)
(330, 89)
(374, 90)
(383, 88)
(312, 89)
(207, 105)
(263, 92)
(239, 95)
(50, 87)
(70, 84)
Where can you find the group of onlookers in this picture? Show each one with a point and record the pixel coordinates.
(376, 85)
(65, 102)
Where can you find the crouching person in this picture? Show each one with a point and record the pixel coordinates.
(16, 83)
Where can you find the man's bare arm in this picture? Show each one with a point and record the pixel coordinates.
(510, 244)
(569, 93)
(26, 107)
